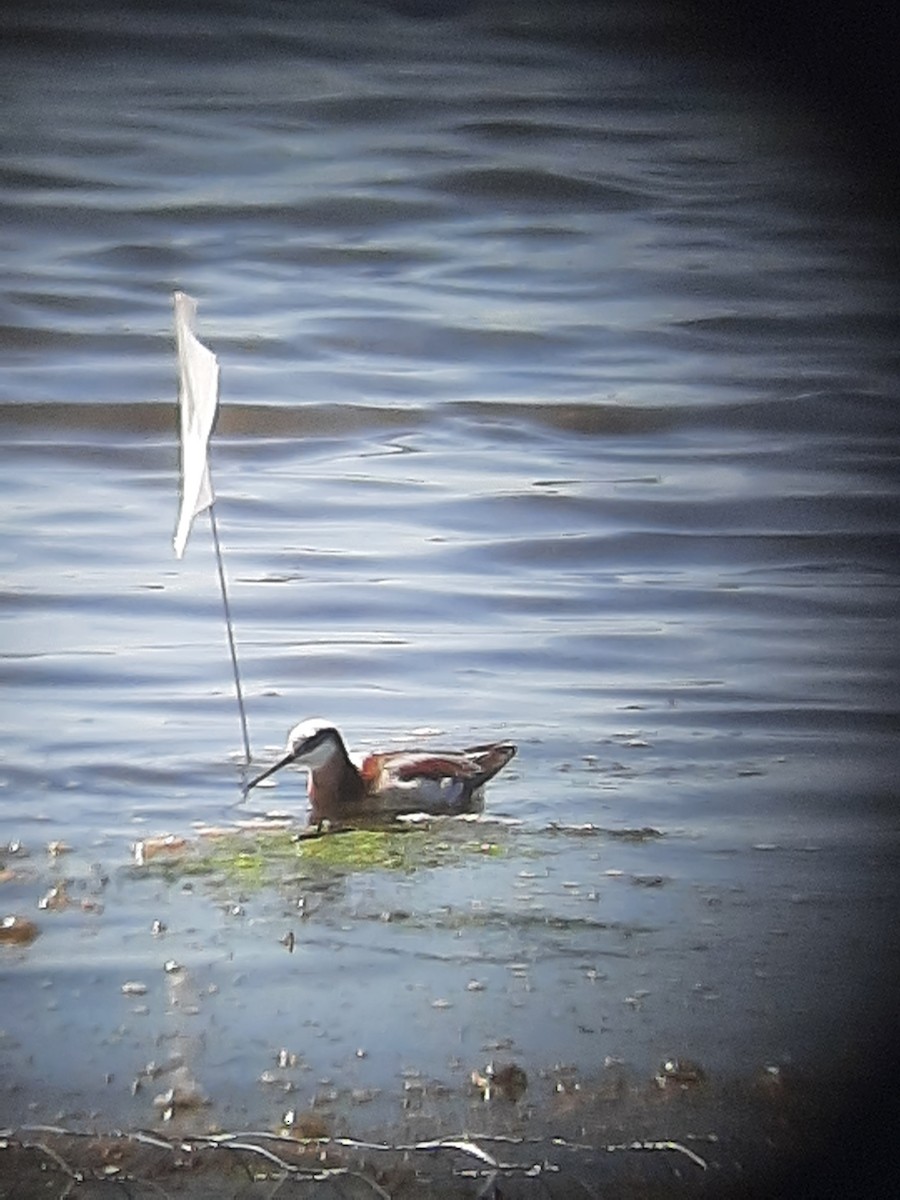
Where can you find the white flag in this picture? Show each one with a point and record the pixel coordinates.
(198, 397)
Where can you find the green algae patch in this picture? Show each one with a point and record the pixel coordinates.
(364, 850)
(259, 857)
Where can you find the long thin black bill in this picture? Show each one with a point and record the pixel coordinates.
(282, 762)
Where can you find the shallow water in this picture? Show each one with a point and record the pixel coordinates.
(558, 404)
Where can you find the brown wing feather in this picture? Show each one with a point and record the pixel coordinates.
(478, 762)
(436, 766)
(370, 767)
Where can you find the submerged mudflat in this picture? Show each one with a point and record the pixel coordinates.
(316, 996)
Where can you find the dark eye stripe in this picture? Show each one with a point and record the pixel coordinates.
(314, 740)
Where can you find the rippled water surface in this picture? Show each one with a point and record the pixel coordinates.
(558, 404)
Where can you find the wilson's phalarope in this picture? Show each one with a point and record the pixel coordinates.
(394, 781)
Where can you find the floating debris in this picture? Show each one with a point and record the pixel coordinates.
(17, 931)
(153, 1070)
(588, 828)
(185, 1092)
(680, 1072)
(56, 899)
(305, 1126)
(508, 1081)
(134, 988)
(565, 1079)
(272, 1078)
(637, 998)
(55, 849)
(481, 818)
(149, 848)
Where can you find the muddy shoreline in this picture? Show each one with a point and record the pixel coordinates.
(766, 1135)
(271, 1011)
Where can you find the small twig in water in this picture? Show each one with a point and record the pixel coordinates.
(466, 1147)
(666, 1145)
(254, 1149)
(677, 1146)
(149, 1140)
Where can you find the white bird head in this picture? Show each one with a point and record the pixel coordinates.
(311, 744)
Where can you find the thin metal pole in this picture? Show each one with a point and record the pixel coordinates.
(228, 625)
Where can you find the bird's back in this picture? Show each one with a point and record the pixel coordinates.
(432, 780)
